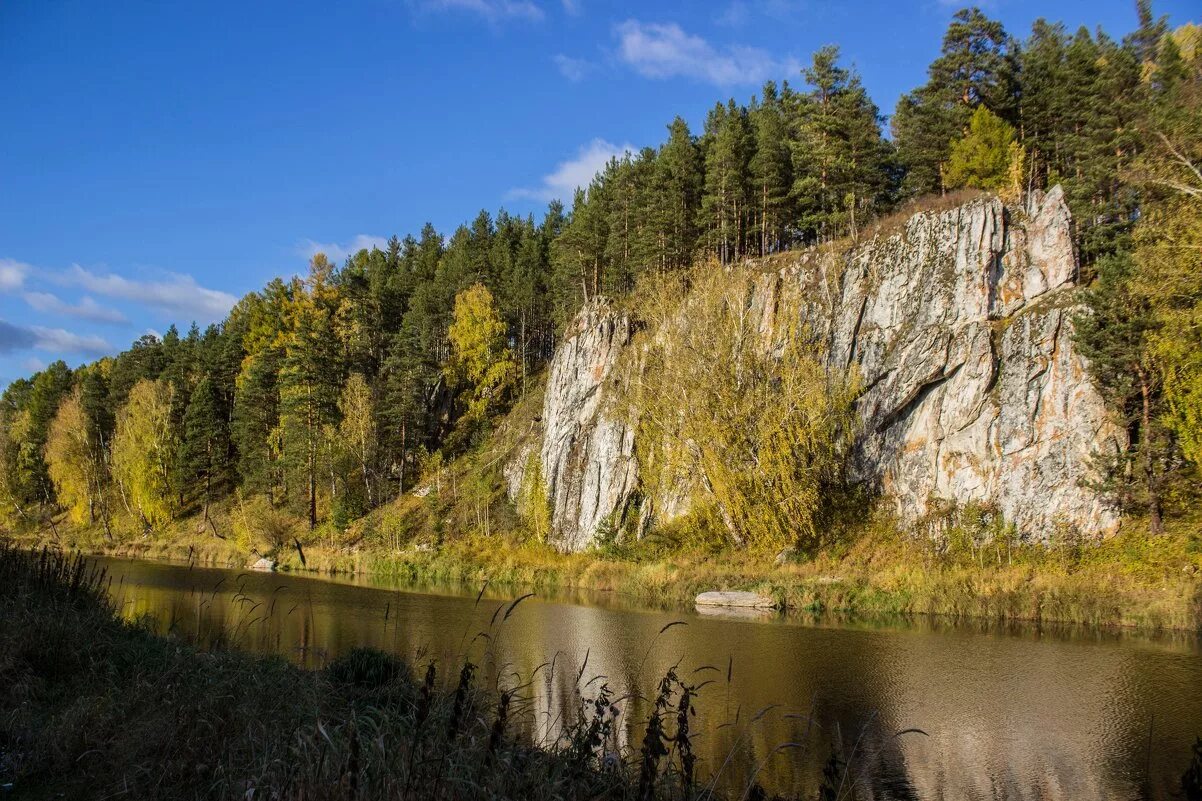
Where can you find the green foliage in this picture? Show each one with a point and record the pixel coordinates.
(975, 67)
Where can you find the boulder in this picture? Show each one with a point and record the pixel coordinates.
(736, 598)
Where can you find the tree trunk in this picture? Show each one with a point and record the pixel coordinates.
(1155, 515)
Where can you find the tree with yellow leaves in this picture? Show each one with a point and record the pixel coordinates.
(482, 365)
(143, 446)
(70, 461)
(752, 410)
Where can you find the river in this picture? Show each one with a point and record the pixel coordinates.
(1019, 711)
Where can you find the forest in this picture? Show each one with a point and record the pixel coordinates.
(329, 395)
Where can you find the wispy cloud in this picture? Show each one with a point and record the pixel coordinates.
(12, 274)
(573, 7)
(657, 50)
(569, 175)
(86, 309)
(336, 251)
(175, 294)
(55, 340)
(740, 12)
(491, 10)
(574, 69)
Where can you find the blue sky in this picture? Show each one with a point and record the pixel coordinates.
(160, 159)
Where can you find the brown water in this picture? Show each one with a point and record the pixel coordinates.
(1005, 712)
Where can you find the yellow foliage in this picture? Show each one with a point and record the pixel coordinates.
(746, 403)
(69, 461)
(985, 157)
(481, 359)
(534, 502)
(143, 447)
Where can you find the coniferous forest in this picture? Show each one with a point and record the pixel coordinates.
(330, 394)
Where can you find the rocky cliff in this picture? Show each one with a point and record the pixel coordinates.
(960, 325)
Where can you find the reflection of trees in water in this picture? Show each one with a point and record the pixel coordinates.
(1011, 713)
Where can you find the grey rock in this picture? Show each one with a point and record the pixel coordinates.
(587, 449)
(263, 564)
(735, 598)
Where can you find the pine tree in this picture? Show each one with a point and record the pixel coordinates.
(976, 66)
(840, 162)
(310, 377)
(727, 148)
(677, 184)
(771, 171)
(1113, 336)
(205, 442)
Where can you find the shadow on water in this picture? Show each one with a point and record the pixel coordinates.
(920, 708)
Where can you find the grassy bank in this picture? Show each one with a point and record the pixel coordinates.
(1129, 580)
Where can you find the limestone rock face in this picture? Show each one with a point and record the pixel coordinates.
(961, 329)
(960, 325)
(587, 451)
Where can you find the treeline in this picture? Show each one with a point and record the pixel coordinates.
(328, 394)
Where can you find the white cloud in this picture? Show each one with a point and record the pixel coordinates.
(33, 364)
(177, 294)
(56, 340)
(572, 7)
(491, 10)
(657, 50)
(573, 69)
(574, 173)
(12, 274)
(86, 309)
(337, 252)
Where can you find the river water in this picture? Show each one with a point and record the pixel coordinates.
(1018, 712)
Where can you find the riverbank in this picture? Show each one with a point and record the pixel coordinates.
(92, 706)
(1130, 580)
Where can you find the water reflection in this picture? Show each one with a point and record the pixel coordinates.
(1003, 712)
